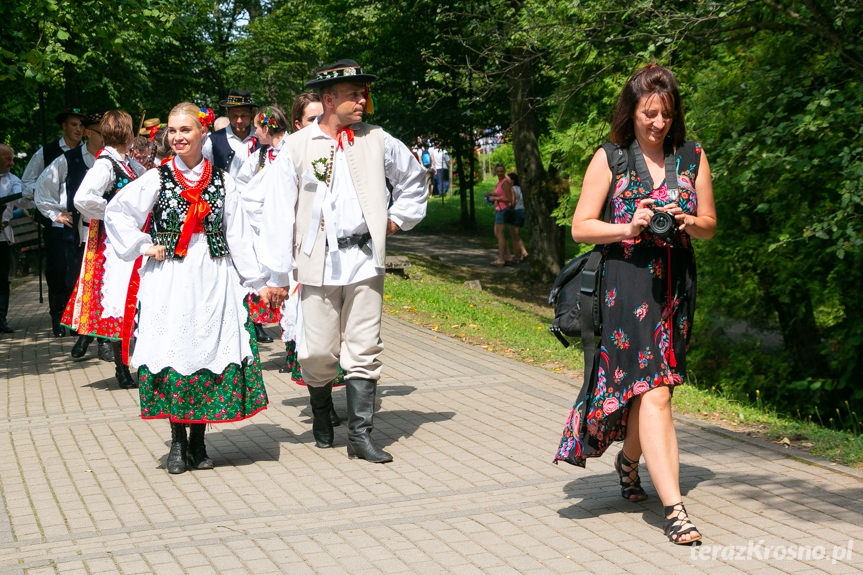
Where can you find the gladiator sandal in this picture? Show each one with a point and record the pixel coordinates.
(630, 482)
(677, 524)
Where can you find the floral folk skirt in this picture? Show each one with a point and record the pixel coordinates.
(647, 301)
(97, 302)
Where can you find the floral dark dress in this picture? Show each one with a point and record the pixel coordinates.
(648, 300)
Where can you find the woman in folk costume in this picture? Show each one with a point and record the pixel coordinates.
(99, 298)
(195, 352)
(270, 126)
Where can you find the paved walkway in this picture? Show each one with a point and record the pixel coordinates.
(472, 488)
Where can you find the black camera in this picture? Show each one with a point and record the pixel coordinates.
(662, 225)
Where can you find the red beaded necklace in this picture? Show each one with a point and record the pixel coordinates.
(202, 183)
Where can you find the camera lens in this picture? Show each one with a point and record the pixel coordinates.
(662, 225)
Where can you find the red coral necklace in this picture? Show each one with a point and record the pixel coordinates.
(202, 182)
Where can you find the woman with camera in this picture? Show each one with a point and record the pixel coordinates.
(647, 288)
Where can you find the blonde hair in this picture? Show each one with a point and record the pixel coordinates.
(185, 108)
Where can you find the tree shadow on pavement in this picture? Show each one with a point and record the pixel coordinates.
(601, 495)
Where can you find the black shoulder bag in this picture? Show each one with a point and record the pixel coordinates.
(575, 292)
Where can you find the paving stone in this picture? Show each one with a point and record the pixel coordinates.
(471, 489)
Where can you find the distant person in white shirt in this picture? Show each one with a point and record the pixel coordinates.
(437, 167)
(65, 233)
(71, 121)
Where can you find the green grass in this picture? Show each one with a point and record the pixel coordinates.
(444, 215)
(758, 420)
(509, 317)
(510, 326)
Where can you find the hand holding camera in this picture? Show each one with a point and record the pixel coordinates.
(661, 222)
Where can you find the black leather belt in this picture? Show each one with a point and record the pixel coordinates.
(354, 240)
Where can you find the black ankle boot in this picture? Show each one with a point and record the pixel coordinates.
(57, 329)
(261, 335)
(197, 455)
(321, 399)
(176, 462)
(104, 351)
(4, 327)
(80, 347)
(121, 370)
(361, 410)
(286, 368)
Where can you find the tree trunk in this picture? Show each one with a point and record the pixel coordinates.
(460, 159)
(539, 187)
(799, 330)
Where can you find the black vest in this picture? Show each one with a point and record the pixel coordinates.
(50, 152)
(223, 153)
(75, 171)
(121, 178)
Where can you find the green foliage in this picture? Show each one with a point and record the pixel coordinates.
(772, 90)
(503, 155)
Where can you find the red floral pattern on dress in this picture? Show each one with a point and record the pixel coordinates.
(260, 311)
(85, 315)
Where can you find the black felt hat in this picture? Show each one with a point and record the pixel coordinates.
(238, 99)
(341, 71)
(70, 111)
(93, 118)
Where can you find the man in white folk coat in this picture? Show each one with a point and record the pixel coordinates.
(328, 191)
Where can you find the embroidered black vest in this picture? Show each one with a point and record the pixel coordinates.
(169, 213)
(121, 179)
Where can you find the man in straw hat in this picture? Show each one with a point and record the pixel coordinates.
(328, 190)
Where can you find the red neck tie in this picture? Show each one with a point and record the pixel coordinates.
(344, 133)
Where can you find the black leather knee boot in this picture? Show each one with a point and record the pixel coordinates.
(361, 411)
(4, 308)
(321, 399)
(261, 335)
(80, 347)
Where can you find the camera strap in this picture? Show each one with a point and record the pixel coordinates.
(644, 174)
